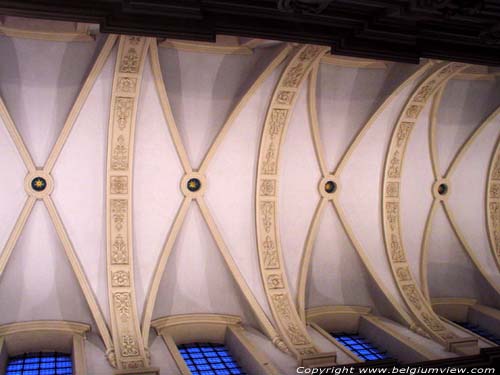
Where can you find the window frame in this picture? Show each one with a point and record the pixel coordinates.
(460, 309)
(351, 319)
(212, 328)
(40, 335)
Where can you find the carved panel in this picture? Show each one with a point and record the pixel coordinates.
(119, 185)
(285, 97)
(290, 326)
(268, 188)
(396, 253)
(129, 349)
(126, 85)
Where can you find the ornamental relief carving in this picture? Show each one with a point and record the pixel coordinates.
(270, 254)
(391, 210)
(267, 214)
(275, 281)
(433, 322)
(403, 133)
(291, 328)
(126, 84)
(296, 336)
(496, 169)
(392, 215)
(123, 112)
(309, 53)
(412, 295)
(122, 305)
(130, 352)
(392, 190)
(425, 92)
(268, 188)
(120, 279)
(285, 97)
(278, 118)
(280, 302)
(119, 184)
(119, 157)
(413, 111)
(395, 166)
(495, 213)
(282, 306)
(129, 346)
(397, 252)
(130, 62)
(119, 251)
(403, 274)
(269, 165)
(119, 213)
(294, 76)
(495, 190)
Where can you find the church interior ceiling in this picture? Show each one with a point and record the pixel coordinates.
(249, 192)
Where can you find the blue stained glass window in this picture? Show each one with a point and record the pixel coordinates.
(360, 346)
(40, 364)
(478, 330)
(209, 359)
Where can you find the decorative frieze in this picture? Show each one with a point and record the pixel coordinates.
(396, 254)
(129, 350)
(289, 324)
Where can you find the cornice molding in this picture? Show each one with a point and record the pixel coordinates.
(73, 328)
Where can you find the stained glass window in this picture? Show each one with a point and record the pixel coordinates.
(209, 359)
(478, 330)
(360, 346)
(40, 364)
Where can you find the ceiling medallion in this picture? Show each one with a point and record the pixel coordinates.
(303, 6)
(193, 184)
(442, 189)
(330, 187)
(38, 184)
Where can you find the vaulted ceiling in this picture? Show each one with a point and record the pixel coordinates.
(207, 251)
